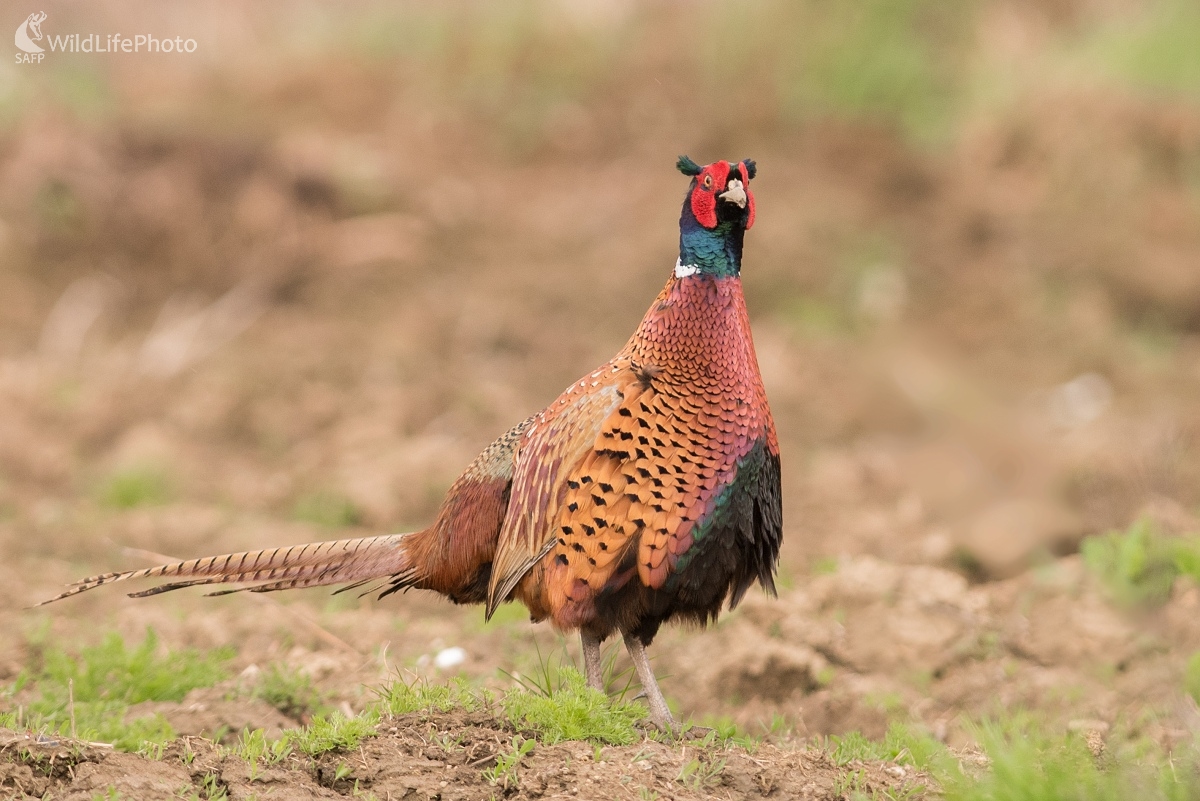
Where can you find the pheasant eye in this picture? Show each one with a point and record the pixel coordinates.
(708, 182)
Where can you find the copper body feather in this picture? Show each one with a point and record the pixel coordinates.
(685, 405)
(648, 490)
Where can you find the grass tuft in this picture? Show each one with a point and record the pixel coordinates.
(136, 486)
(1026, 761)
(895, 62)
(334, 732)
(106, 679)
(289, 691)
(1157, 49)
(701, 775)
(327, 509)
(254, 747)
(1191, 677)
(504, 773)
(574, 711)
(401, 698)
(1139, 566)
(725, 731)
(896, 746)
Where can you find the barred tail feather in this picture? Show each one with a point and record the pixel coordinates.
(312, 565)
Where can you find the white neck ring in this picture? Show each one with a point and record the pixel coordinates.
(684, 270)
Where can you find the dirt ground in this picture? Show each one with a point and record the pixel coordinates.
(412, 760)
(301, 320)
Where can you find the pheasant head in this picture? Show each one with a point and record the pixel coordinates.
(718, 210)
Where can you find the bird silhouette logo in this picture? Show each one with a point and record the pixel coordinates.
(29, 33)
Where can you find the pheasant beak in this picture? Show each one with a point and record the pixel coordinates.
(734, 193)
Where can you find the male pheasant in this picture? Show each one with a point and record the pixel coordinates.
(648, 491)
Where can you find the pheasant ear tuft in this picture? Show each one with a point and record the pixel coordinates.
(686, 166)
(751, 168)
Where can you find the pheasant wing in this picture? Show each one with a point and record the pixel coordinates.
(662, 466)
(690, 450)
(551, 447)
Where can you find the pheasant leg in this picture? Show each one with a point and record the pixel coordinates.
(660, 714)
(591, 661)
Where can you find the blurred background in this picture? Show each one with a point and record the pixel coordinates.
(286, 286)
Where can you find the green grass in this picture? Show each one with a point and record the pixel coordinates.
(210, 789)
(135, 486)
(58, 209)
(505, 615)
(401, 698)
(504, 772)
(289, 691)
(111, 794)
(910, 65)
(726, 730)
(1191, 677)
(337, 732)
(701, 775)
(106, 679)
(893, 62)
(1139, 566)
(1029, 763)
(101, 682)
(557, 707)
(907, 64)
(83, 90)
(825, 566)
(815, 317)
(327, 509)
(519, 66)
(1027, 759)
(902, 744)
(573, 711)
(254, 747)
(334, 732)
(1156, 49)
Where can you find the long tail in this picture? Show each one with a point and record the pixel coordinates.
(312, 565)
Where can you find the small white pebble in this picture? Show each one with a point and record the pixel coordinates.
(449, 657)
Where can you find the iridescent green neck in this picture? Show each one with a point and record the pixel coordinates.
(716, 251)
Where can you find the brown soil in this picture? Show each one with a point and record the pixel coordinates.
(852, 650)
(437, 758)
(875, 642)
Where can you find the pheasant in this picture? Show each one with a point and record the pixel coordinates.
(648, 491)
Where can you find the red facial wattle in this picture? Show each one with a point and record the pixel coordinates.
(710, 183)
